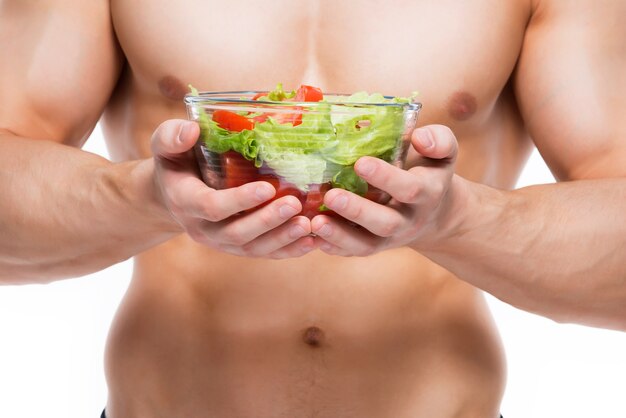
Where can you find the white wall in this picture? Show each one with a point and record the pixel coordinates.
(52, 343)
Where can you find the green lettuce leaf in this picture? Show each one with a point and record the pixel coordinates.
(347, 179)
(220, 140)
(295, 152)
(278, 94)
(364, 130)
(324, 147)
(298, 168)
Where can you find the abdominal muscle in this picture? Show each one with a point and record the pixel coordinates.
(204, 334)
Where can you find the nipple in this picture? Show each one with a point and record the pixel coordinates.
(172, 88)
(462, 105)
(313, 336)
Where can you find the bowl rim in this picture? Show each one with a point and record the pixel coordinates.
(215, 97)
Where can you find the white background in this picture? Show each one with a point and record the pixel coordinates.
(52, 342)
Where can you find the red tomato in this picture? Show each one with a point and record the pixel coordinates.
(315, 199)
(377, 195)
(232, 121)
(303, 94)
(308, 94)
(282, 187)
(293, 118)
(237, 170)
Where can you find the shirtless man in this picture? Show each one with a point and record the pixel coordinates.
(296, 331)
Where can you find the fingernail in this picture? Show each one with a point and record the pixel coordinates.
(184, 131)
(366, 167)
(425, 138)
(296, 231)
(339, 202)
(263, 193)
(324, 231)
(326, 247)
(286, 211)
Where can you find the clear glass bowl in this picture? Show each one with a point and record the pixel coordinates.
(303, 149)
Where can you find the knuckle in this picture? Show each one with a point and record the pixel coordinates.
(384, 175)
(233, 236)
(158, 135)
(176, 212)
(211, 212)
(367, 252)
(411, 193)
(196, 234)
(389, 228)
(277, 255)
(248, 251)
(438, 189)
(354, 211)
(267, 218)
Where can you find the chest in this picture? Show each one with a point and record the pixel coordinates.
(458, 55)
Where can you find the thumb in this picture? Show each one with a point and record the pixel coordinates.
(435, 141)
(173, 137)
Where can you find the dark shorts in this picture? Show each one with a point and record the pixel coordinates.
(104, 416)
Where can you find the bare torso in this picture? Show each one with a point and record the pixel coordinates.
(204, 334)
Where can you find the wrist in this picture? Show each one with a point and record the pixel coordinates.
(136, 186)
(466, 207)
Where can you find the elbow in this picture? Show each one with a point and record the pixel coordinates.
(604, 310)
(590, 314)
(612, 320)
(16, 276)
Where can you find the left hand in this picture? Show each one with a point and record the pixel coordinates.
(420, 208)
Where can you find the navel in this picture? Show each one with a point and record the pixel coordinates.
(313, 336)
(462, 105)
(172, 88)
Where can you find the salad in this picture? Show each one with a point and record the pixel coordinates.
(301, 141)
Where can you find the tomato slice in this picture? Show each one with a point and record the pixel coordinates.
(293, 118)
(308, 94)
(237, 170)
(232, 121)
(303, 94)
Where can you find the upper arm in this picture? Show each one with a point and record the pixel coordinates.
(60, 62)
(571, 86)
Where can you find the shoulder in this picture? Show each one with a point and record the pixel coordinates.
(571, 88)
(64, 64)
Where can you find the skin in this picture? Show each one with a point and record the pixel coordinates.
(205, 332)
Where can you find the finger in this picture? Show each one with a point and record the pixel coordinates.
(435, 141)
(174, 137)
(402, 185)
(352, 240)
(380, 220)
(242, 230)
(331, 249)
(279, 237)
(212, 205)
(298, 248)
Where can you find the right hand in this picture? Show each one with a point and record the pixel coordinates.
(206, 214)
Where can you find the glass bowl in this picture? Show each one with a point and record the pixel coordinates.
(302, 148)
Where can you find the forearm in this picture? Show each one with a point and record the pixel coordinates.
(65, 212)
(558, 250)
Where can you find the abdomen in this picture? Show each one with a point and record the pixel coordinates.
(205, 334)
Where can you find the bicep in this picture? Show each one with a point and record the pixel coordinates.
(60, 62)
(571, 86)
